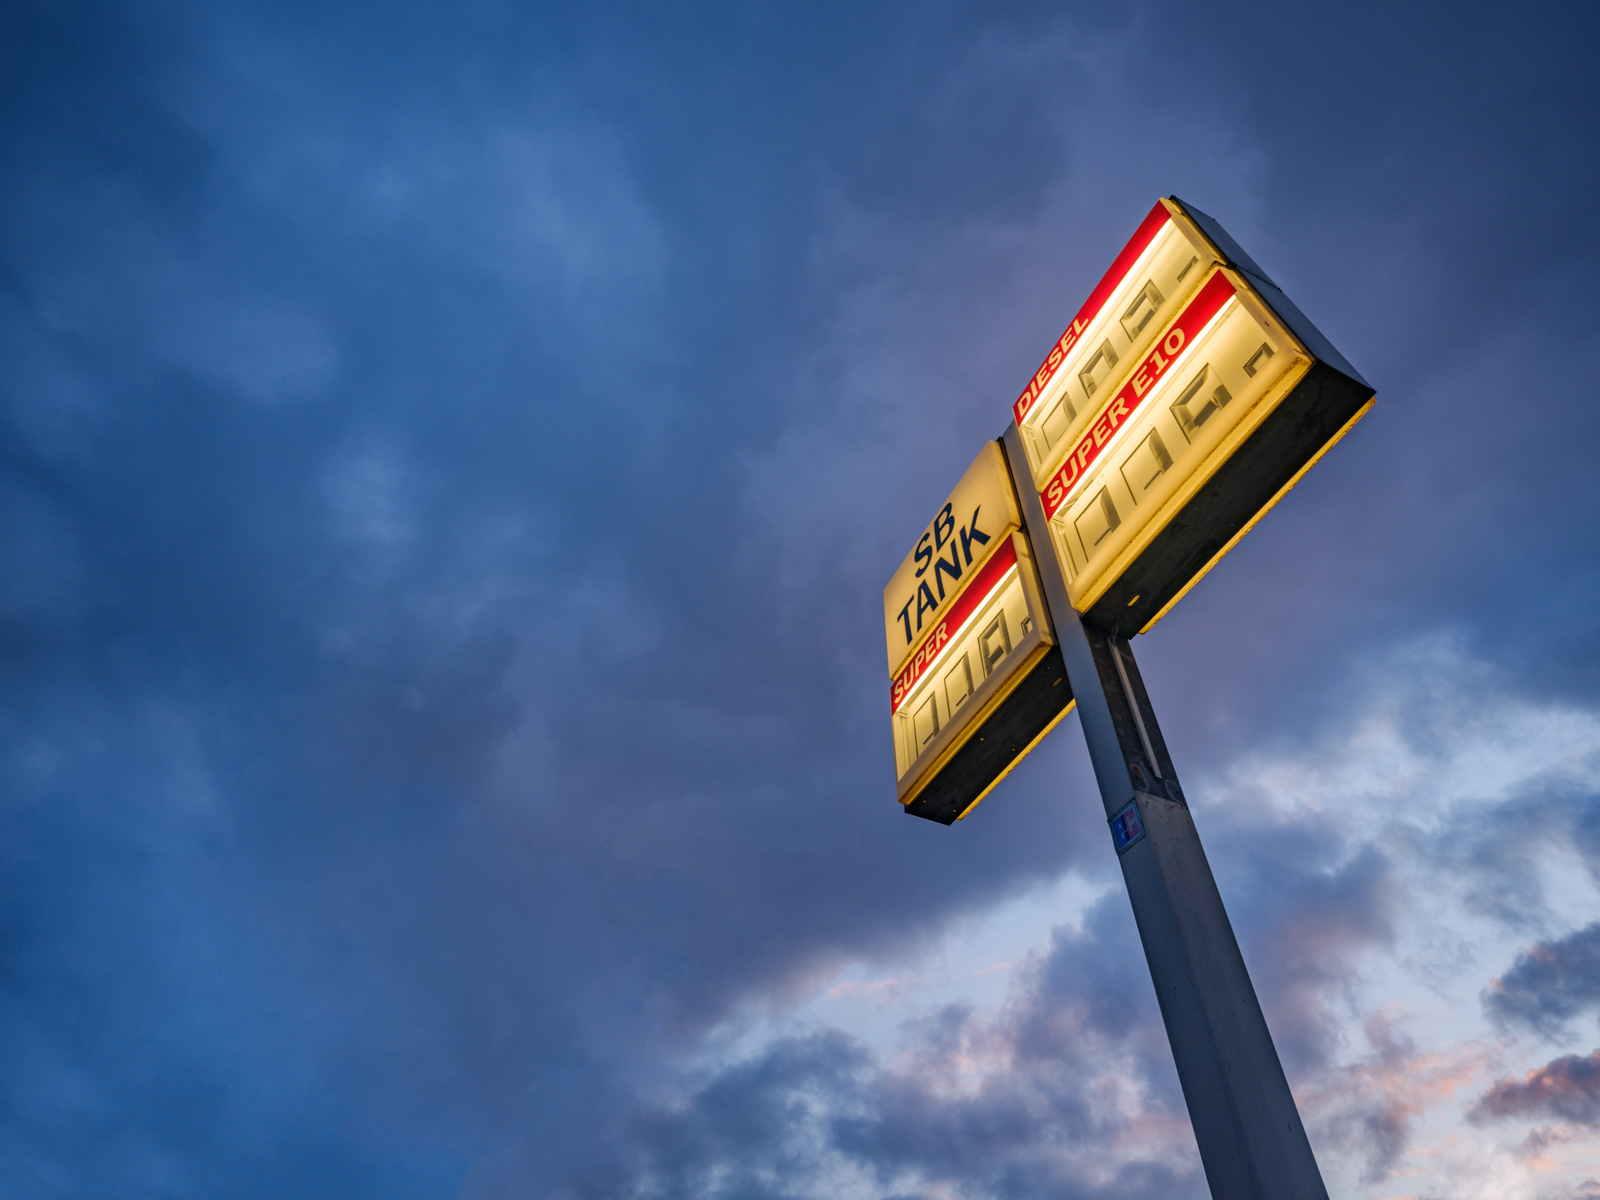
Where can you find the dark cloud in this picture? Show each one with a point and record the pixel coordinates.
(1030, 1101)
(1564, 1089)
(1550, 984)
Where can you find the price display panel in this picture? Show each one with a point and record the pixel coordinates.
(1187, 396)
(976, 678)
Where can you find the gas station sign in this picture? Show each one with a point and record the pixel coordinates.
(1186, 397)
(971, 526)
(1155, 273)
(975, 679)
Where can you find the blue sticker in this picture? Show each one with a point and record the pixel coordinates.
(1126, 828)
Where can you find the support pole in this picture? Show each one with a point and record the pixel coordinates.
(1252, 1143)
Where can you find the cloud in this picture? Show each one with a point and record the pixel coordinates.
(1550, 984)
(1065, 1089)
(1351, 863)
(1369, 1108)
(448, 458)
(1564, 1089)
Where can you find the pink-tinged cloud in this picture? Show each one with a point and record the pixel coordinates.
(1566, 1088)
(1369, 1107)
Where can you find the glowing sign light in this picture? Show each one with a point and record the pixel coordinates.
(1186, 397)
(972, 524)
(996, 570)
(1117, 413)
(1158, 270)
(975, 675)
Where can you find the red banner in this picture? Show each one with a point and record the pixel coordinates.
(1145, 234)
(975, 593)
(1206, 304)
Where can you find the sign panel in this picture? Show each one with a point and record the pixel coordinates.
(1186, 397)
(1156, 273)
(975, 676)
(972, 524)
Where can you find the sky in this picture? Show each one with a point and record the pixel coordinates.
(450, 459)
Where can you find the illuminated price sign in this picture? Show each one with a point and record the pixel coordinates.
(1185, 398)
(975, 676)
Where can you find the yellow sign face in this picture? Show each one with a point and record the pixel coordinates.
(975, 678)
(1185, 398)
(969, 662)
(1160, 268)
(972, 525)
(1214, 375)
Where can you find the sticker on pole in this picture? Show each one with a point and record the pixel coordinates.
(1126, 828)
(975, 677)
(1187, 396)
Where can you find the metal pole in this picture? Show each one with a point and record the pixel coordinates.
(1252, 1143)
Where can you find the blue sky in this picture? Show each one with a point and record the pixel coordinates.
(450, 458)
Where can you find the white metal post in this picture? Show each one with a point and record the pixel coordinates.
(1252, 1143)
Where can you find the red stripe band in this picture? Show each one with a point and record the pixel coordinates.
(987, 579)
(1145, 234)
(1172, 346)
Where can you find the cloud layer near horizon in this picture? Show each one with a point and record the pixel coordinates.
(449, 459)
